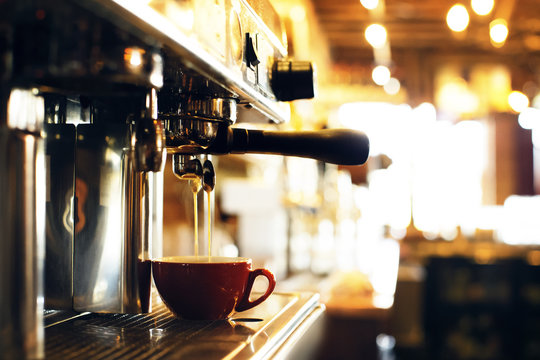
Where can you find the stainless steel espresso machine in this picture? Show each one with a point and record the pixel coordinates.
(93, 94)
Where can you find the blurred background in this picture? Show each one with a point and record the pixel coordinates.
(432, 249)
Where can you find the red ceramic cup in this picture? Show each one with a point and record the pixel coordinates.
(199, 288)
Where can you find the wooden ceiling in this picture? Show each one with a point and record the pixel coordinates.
(418, 34)
(420, 25)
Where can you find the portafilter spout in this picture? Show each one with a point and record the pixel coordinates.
(336, 146)
(205, 127)
(187, 167)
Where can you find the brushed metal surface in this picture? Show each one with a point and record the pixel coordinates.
(254, 334)
(198, 56)
(114, 222)
(22, 225)
(60, 151)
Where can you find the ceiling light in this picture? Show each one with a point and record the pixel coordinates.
(392, 86)
(380, 75)
(370, 4)
(529, 118)
(482, 7)
(498, 32)
(457, 18)
(518, 101)
(376, 35)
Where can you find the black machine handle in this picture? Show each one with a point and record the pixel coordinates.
(336, 146)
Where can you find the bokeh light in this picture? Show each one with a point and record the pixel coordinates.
(482, 7)
(518, 101)
(376, 35)
(392, 86)
(370, 4)
(380, 75)
(457, 18)
(498, 32)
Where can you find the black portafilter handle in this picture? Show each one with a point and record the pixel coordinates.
(336, 146)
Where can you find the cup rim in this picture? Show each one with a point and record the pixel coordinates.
(201, 259)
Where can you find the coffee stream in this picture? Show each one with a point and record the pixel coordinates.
(209, 225)
(195, 188)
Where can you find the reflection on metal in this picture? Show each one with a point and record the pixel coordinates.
(60, 148)
(96, 66)
(212, 108)
(268, 330)
(148, 139)
(204, 55)
(189, 135)
(22, 213)
(102, 214)
(187, 167)
(209, 176)
(112, 247)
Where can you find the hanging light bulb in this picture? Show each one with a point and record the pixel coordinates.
(376, 35)
(370, 4)
(518, 101)
(457, 18)
(380, 75)
(498, 32)
(392, 86)
(529, 118)
(482, 7)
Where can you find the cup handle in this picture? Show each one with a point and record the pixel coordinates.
(245, 303)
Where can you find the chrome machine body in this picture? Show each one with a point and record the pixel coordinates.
(94, 93)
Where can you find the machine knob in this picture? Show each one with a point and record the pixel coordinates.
(292, 80)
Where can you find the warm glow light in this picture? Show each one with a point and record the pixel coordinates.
(297, 13)
(25, 109)
(482, 7)
(370, 4)
(536, 138)
(392, 86)
(376, 35)
(375, 121)
(441, 190)
(457, 18)
(380, 75)
(133, 57)
(536, 101)
(439, 177)
(455, 96)
(425, 112)
(518, 101)
(529, 118)
(384, 275)
(498, 31)
(519, 225)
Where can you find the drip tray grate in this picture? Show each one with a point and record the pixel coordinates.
(160, 335)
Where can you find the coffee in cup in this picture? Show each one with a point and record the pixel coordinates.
(208, 288)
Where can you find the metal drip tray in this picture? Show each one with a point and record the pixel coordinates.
(258, 333)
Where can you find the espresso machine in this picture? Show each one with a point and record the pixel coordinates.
(94, 94)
